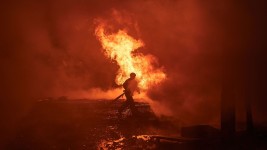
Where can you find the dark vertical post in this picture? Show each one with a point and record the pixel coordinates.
(249, 124)
(228, 95)
(248, 91)
(227, 109)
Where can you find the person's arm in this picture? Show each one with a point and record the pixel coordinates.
(125, 85)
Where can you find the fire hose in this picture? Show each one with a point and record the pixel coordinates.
(118, 97)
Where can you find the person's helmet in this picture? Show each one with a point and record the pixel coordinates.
(132, 75)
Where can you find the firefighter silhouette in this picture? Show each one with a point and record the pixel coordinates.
(130, 86)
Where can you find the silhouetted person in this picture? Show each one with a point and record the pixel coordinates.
(130, 86)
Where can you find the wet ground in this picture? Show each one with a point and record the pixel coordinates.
(93, 124)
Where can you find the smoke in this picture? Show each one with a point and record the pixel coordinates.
(181, 35)
(192, 67)
(48, 48)
(58, 54)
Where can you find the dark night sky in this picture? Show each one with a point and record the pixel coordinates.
(48, 48)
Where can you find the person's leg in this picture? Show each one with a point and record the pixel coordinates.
(122, 108)
(131, 104)
(133, 108)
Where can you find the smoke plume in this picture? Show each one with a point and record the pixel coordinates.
(49, 49)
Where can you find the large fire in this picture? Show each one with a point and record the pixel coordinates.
(120, 47)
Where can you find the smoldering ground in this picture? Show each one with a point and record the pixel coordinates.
(48, 48)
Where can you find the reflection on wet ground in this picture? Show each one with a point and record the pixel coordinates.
(93, 124)
(86, 124)
(134, 142)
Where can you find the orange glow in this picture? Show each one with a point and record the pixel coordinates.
(120, 47)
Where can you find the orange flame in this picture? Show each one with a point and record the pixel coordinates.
(120, 47)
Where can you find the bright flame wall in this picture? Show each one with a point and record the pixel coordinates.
(120, 47)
